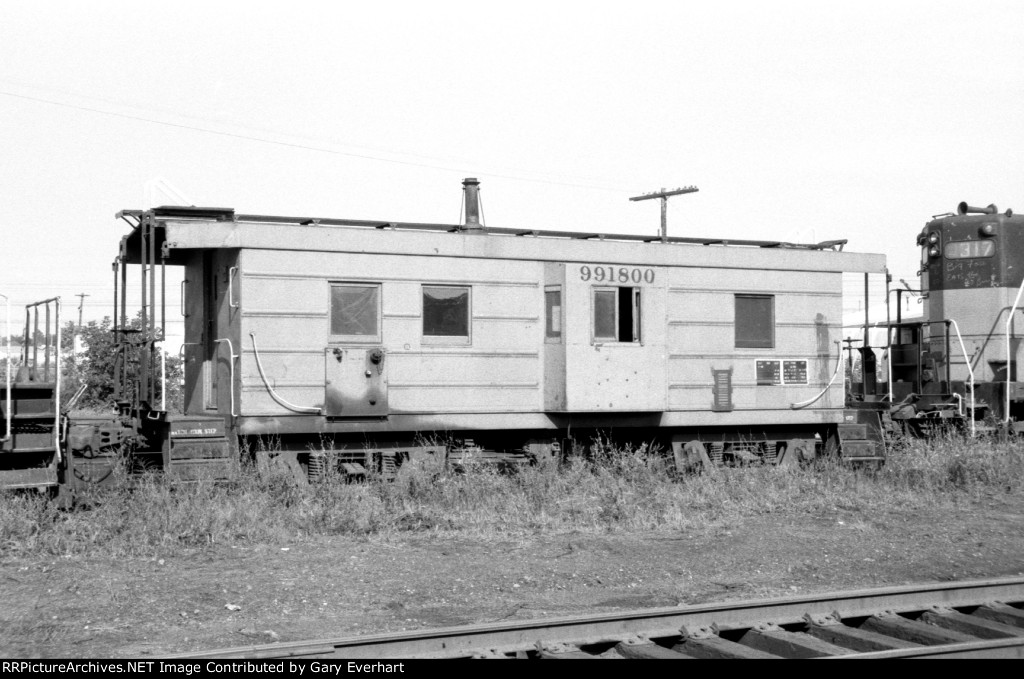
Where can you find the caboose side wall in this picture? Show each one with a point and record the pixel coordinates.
(554, 332)
(509, 375)
(285, 317)
(702, 339)
(502, 369)
(606, 375)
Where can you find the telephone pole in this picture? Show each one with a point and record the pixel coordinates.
(81, 303)
(664, 195)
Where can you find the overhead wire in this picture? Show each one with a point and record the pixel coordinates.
(307, 147)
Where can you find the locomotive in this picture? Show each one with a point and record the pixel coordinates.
(955, 365)
(357, 346)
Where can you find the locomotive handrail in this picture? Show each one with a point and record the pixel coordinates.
(963, 350)
(163, 378)
(1009, 320)
(839, 363)
(888, 323)
(967, 362)
(56, 390)
(231, 372)
(273, 394)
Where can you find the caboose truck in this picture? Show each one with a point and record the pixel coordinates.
(950, 366)
(359, 345)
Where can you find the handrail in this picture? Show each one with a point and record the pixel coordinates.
(888, 332)
(231, 287)
(967, 362)
(57, 387)
(231, 373)
(73, 401)
(7, 346)
(273, 394)
(949, 359)
(1009, 320)
(888, 362)
(839, 363)
(163, 378)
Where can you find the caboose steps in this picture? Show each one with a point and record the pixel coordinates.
(29, 450)
(38, 477)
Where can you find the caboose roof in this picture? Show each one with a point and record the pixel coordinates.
(181, 229)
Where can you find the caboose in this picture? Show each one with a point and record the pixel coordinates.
(380, 341)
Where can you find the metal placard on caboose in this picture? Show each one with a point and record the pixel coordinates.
(794, 372)
(770, 373)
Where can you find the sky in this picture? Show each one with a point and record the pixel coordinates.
(798, 121)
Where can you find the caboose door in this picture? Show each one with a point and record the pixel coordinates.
(356, 382)
(615, 338)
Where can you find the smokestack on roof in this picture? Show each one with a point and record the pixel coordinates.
(471, 189)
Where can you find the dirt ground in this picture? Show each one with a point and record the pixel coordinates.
(234, 595)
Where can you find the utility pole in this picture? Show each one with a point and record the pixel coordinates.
(81, 302)
(664, 195)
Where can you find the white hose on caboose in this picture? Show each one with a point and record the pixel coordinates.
(273, 394)
(839, 363)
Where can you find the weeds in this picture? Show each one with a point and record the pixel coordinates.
(598, 488)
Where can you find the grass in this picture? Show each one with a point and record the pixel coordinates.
(599, 489)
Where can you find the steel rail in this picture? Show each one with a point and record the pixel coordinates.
(589, 630)
(990, 648)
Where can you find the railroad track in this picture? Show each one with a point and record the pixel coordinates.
(982, 618)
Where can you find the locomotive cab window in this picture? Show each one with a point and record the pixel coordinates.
(616, 314)
(755, 321)
(355, 312)
(446, 314)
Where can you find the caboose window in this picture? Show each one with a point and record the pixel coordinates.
(446, 313)
(553, 313)
(969, 249)
(755, 321)
(617, 314)
(355, 312)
